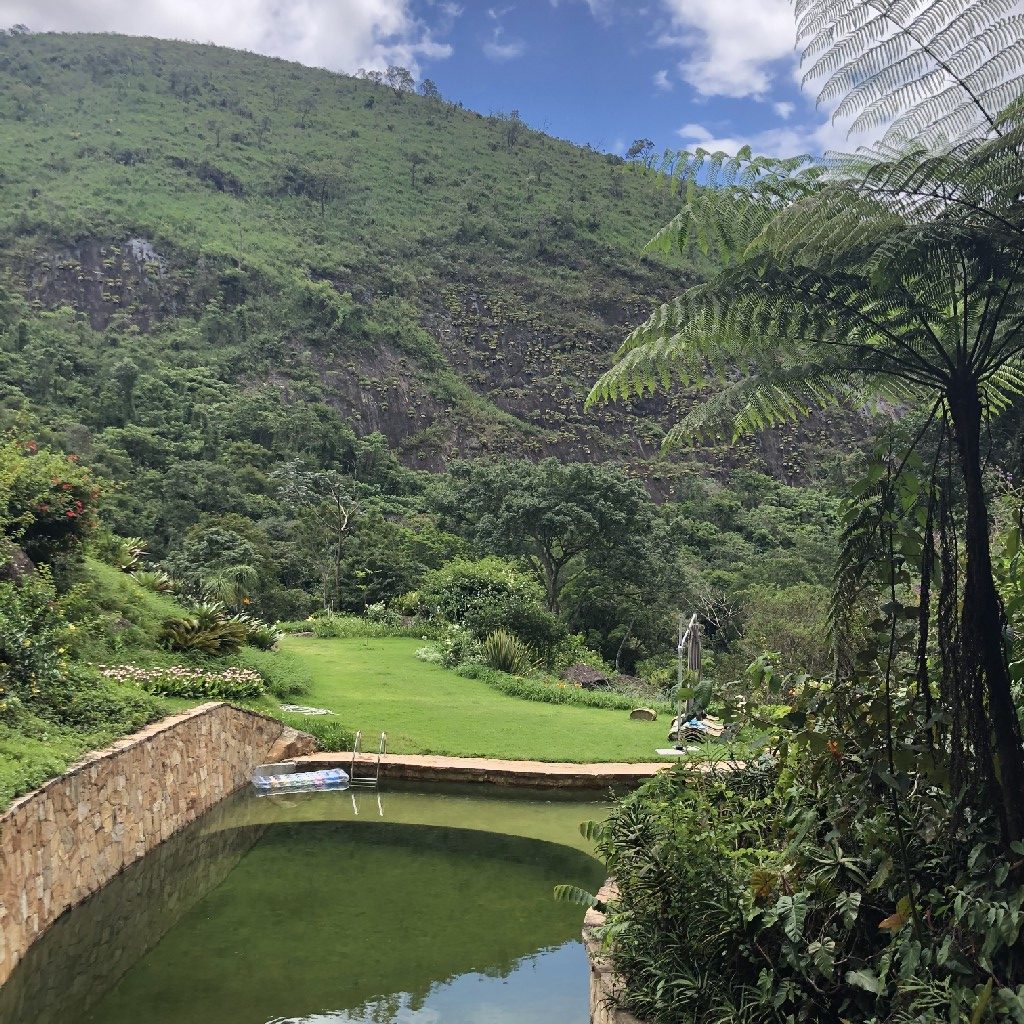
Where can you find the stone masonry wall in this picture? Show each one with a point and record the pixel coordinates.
(605, 985)
(67, 839)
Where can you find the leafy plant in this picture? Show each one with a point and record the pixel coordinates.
(507, 653)
(154, 580)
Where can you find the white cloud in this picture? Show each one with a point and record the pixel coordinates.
(730, 46)
(338, 34)
(791, 140)
(500, 47)
(498, 50)
(695, 132)
(661, 81)
(784, 110)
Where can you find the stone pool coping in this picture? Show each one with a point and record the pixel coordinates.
(539, 774)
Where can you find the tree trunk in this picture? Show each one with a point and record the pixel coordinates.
(984, 662)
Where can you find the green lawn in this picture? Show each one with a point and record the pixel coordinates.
(377, 685)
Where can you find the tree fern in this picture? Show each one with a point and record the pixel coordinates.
(894, 273)
(928, 70)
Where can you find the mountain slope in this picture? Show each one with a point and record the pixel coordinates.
(388, 248)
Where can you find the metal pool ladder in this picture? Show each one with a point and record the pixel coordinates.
(366, 780)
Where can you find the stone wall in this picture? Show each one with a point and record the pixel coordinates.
(67, 839)
(605, 984)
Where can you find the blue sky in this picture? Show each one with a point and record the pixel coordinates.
(719, 73)
(678, 73)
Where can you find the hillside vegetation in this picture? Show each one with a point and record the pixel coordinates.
(452, 280)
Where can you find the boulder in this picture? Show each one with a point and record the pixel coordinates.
(14, 564)
(644, 714)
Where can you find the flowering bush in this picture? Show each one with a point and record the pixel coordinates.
(47, 500)
(197, 683)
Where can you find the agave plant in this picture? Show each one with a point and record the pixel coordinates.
(507, 653)
(208, 630)
(129, 552)
(258, 634)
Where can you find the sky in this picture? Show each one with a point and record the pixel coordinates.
(682, 73)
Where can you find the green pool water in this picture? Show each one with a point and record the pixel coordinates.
(430, 907)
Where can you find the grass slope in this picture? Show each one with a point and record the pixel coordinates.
(377, 685)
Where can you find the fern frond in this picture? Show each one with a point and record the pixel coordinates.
(927, 70)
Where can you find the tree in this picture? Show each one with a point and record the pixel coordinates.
(126, 375)
(895, 274)
(261, 130)
(641, 149)
(415, 160)
(429, 90)
(400, 80)
(512, 128)
(557, 516)
(330, 502)
(306, 107)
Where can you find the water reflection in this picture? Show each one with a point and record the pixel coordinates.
(548, 987)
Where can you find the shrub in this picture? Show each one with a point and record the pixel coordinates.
(379, 612)
(260, 635)
(507, 653)
(457, 646)
(553, 691)
(34, 666)
(491, 594)
(47, 500)
(813, 888)
(352, 627)
(283, 673)
(330, 734)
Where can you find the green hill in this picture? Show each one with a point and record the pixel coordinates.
(452, 280)
(213, 262)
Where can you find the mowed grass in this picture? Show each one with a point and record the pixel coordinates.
(379, 685)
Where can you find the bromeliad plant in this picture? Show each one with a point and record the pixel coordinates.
(210, 629)
(895, 276)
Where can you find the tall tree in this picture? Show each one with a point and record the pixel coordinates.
(897, 274)
(555, 515)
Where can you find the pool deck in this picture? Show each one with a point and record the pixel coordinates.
(541, 774)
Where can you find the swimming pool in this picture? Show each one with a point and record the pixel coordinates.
(430, 906)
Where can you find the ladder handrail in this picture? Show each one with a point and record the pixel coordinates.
(380, 753)
(357, 750)
(356, 744)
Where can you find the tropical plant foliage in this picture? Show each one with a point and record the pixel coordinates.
(893, 276)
